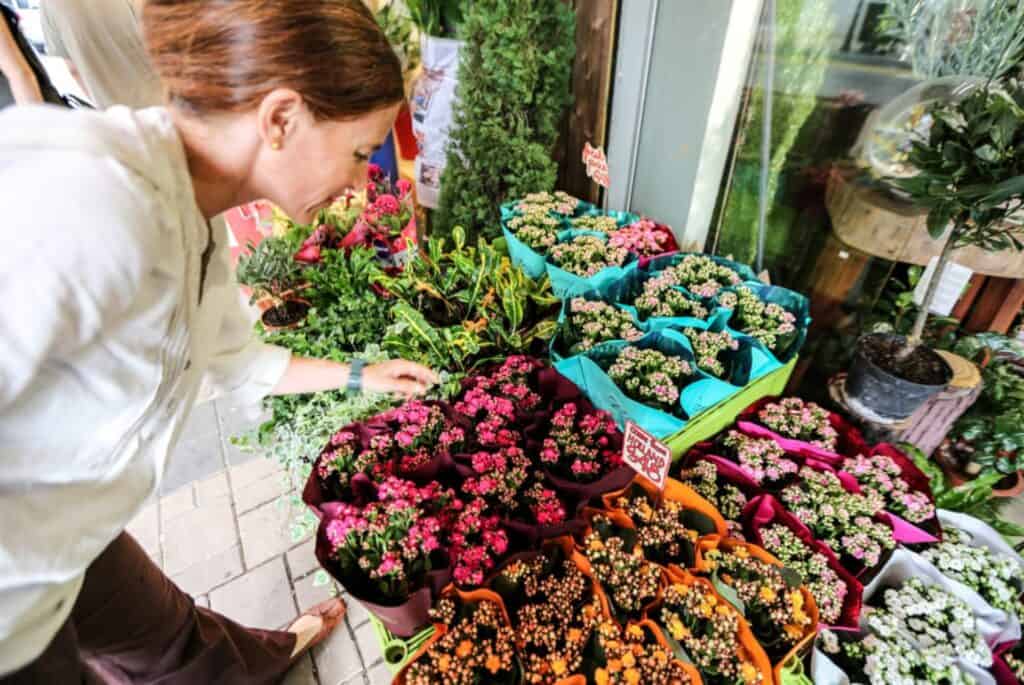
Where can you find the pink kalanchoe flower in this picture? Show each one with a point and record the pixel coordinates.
(374, 172)
(404, 187)
(387, 205)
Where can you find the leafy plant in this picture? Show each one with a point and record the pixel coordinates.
(458, 308)
(974, 497)
(270, 270)
(396, 21)
(991, 433)
(971, 174)
(436, 17)
(955, 37)
(347, 314)
(513, 89)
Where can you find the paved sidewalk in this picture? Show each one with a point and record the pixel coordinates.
(225, 538)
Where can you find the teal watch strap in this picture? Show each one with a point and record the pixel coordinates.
(355, 376)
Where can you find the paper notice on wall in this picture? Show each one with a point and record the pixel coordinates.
(433, 100)
(951, 285)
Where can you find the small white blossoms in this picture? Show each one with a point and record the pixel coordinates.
(998, 579)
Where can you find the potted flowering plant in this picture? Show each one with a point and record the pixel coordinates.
(651, 377)
(473, 643)
(1015, 660)
(631, 582)
(844, 521)
(537, 229)
(702, 276)
(589, 323)
(581, 452)
(662, 296)
(555, 609)
(644, 238)
(711, 350)
(559, 204)
(760, 458)
(389, 554)
(637, 654)
(269, 270)
(795, 418)
(599, 223)
(388, 219)
(769, 323)
(997, 579)
(710, 480)
(586, 255)
(477, 540)
(712, 633)
(880, 476)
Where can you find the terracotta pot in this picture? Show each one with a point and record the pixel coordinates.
(295, 324)
(957, 478)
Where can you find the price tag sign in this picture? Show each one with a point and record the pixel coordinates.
(597, 165)
(647, 455)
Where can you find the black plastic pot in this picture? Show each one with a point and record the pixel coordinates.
(888, 396)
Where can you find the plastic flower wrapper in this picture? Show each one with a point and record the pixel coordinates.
(708, 630)
(412, 441)
(385, 550)
(702, 276)
(558, 203)
(633, 656)
(823, 582)
(618, 563)
(591, 322)
(538, 230)
(706, 479)
(477, 540)
(794, 418)
(476, 645)
(554, 609)
(667, 531)
(643, 238)
(771, 595)
(996, 578)
(1015, 660)
(769, 323)
(873, 660)
(580, 445)
(762, 459)
(585, 255)
(709, 348)
(651, 377)
(881, 475)
(842, 520)
(662, 297)
(599, 223)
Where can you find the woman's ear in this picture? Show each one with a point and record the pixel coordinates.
(281, 113)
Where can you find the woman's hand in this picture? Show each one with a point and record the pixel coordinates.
(398, 377)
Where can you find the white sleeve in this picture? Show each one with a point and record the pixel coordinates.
(241, 365)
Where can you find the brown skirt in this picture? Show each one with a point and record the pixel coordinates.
(131, 624)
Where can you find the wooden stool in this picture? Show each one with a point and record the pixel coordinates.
(929, 425)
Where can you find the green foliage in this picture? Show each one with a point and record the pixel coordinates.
(269, 269)
(347, 314)
(974, 498)
(458, 308)
(395, 20)
(991, 433)
(802, 29)
(956, 38)
(971, 167)
(436, 17)
(514, 76)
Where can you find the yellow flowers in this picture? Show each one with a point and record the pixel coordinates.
(749, 673)
(677, 629)
(493, 663)
(464, 649)
(767, 594)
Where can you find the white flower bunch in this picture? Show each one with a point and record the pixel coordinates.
(996, 578)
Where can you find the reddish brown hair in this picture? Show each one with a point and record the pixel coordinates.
(226, 55)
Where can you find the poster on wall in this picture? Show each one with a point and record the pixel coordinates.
(433, 101)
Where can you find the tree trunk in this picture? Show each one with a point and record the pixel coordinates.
(929, 295)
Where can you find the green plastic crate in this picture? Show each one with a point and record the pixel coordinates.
(711, 421)
(396, 650)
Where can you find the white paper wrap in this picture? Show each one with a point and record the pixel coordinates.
(433, 102)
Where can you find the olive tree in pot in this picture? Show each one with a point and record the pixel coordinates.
(275, 278)
(970, 176)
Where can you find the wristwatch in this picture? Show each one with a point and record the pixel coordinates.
(355, 376)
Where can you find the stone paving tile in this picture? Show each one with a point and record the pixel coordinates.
(236, 421)
(357, 613)
(210, 573)
(198, 535)
(252, 472)
(177, 503)
(302, 559)
(337, 658)
(145, 528)
(308, 594)
(301, 673)
(266, 532)
(267, 489)
(380, 675)
(212, 489)
(369, 645)
(261, 598)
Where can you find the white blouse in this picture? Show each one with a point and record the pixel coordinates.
(110, 329)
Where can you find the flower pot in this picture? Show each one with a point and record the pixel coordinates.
(1011, 486)
(286, 316)
(873, 387)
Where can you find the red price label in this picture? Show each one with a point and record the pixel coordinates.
(647, 455)
(597, 164)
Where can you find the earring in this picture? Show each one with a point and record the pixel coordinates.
(276, 145)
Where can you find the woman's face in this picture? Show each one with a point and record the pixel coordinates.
(309, 162)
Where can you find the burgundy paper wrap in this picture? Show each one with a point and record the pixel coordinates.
(765, 511)
(850, 441)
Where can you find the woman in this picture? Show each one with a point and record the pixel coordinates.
(23, 80)
(119, 308)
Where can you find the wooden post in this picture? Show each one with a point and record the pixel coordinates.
(998, 305)
(587, 120)
(967, 300)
